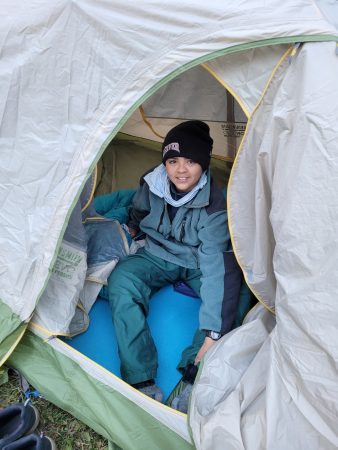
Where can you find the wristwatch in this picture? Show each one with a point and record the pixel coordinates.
(214, 335)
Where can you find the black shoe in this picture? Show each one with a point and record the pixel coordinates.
(17, 420)
(32, 441)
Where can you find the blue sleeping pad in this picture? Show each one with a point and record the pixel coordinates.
(173, 320)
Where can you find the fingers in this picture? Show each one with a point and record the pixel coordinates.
(208, 343)
(132, 232)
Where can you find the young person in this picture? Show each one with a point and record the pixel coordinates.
(183, 216)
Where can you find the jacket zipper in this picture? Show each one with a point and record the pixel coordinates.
(161, 219)
(182, 229)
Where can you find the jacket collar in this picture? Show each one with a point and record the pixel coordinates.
(158, 183)
(203, 196)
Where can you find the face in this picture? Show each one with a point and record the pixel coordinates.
(184, 173)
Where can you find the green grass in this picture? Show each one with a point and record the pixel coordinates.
(67, 432)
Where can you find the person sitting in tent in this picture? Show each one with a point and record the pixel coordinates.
(182, 214)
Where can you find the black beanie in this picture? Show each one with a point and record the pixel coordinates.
(190, 140)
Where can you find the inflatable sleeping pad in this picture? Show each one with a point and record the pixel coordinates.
(173, 320)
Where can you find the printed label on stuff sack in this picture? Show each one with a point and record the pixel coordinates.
(67, 262)
(233, 129)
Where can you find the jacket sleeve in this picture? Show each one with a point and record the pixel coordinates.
(140, 207)
(213, 236)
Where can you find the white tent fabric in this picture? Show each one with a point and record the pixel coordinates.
(206, 99)
(283, 200)
(233, 376)
(71, 74)
(70, 71)
(247, 73)
(329, 9)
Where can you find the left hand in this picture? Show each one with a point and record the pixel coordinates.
(132, 232)
(208, 342)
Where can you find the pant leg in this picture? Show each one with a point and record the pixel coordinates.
(133, 281)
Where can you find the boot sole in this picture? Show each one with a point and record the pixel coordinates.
(37, 420)
(52, 443)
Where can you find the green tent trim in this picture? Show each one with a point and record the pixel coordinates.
(11, 330)
(63, 382)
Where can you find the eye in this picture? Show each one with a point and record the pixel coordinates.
(191, 162)
(171, 161)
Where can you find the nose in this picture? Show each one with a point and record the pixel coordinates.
(181, 167)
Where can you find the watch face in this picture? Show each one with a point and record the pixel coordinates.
(214, 335)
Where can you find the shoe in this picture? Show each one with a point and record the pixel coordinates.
(33, 441)
(17, 420)
(181, 402)
(150, 389)
(153, 391)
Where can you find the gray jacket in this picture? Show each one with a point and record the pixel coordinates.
(197, 238)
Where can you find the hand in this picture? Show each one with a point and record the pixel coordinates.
(208, 342)
(132, 232)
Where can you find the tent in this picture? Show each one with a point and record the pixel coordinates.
(72, 74)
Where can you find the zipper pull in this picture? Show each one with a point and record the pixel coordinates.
(182, 229)
(294, 51)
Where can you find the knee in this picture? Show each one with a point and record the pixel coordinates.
(126, 289)
(118, 283)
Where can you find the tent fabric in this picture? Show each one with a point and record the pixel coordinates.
(72, 73)
(50, 52)
(247, 85)
(284, 192)
(91, 247)
(164, 110)
(11, 331)
(329, 9)
(218, 400)
(98, 398)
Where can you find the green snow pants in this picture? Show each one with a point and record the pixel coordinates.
(132, 283)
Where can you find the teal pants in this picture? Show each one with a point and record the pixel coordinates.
(132, 283)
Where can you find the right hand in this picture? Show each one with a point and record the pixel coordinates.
(208, 343)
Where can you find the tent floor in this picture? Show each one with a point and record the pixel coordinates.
(173, 320)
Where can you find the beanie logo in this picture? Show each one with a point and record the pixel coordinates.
(173, 146)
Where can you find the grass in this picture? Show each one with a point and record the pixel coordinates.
(67, 432)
